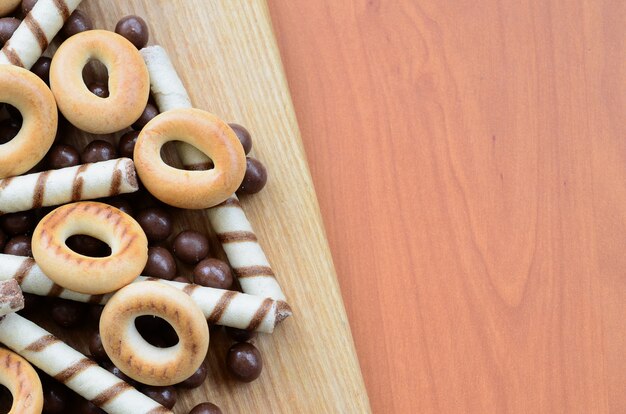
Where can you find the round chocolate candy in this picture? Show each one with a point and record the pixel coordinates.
(244, 362)
(19, 246)
(121, 203)
(160, 263)
(146, 116)
(62, 156)
(244, 137)
(41, 68)
(206, 408)
(135, 29)
(118, 373)
(255, 178)
(196, 379)
(213, 273)
(99, 89)
(94, 314)
(127, 143)
(166, 396)
(96, 349)
(181, 279)
(8, 25)
(55, 397)
(87, 407)
(240, 335)
(31, 302)
(78, 22)
(22, 222)
(98, 150)
(27, 6)
(191, 246)
(3, 239)
(67, 313)
(156, 223)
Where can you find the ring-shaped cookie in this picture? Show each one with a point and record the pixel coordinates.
(7, 6)
(23, 383)
(136, 357)
(129, 83)
(190, 189)
(85, 274)
(30, 95)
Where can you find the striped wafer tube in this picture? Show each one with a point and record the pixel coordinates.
(74, 369)
(221, 307)
(36, 31)
(11, 297)
(82, 182)
(228, 219)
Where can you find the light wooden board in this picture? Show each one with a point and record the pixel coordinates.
(226, 55)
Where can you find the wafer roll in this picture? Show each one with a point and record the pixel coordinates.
(36, 31)
(228, 219)
(11, 297)
(74, 369)
(221, 307)
(82, 182)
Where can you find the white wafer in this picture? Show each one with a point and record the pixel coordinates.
(74, 369)
(222, 307)
(228, 219)
(36, 31)
(54, 187)
(11, 297)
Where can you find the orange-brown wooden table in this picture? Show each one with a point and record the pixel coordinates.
(470, 162)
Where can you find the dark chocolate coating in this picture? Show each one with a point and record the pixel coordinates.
(19, 246)
(41, 68)
(126, 146)
(116, 371)
(96, 349)
(166, 396)
(88, 246)
(3, 239)
(213, 273)
(86, 407)
(240, 335)
(94, 313)
(196, 379)
(98, 150)
(27, 6)
(206, 408)
(62, 156)
(135, 29)
(181, 279)
(8, 131)
(244, 136)
(244, 362)
(255, 178)
(146, 116)
(156, 223)
(121, 203)
(78, 22)
(190, 246)
(8, 25)
(55, 397)
(67, 313)
(160, 264)
(99, 89)
(22, 222)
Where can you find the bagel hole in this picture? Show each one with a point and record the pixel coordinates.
(88, 246)
(169, 156)
(10, 122)
(156, 331)
(6, 399)
(96, 75)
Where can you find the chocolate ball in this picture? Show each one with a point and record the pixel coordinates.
(41, 68)
(87, 407)
(22, 222)
(166, 396)
(88, 246)
(55, 397)
(78, 22)
(19, 246)
(206, 408)
(181, 279)
(190, 246)
(118, 373)
(62, 156)
(255, 178)
(126, 146)
(156, 223)
(98, 150)
(67, 313)
(101, 90)
(31, 302)
(27, 6)
(240, 335)
(8, 131)
(196, 379)
(121, 204)
(213, 273)
(96, 349)
(133, 28)
(94, 313)
(3, 239)
(244, 137)
(146, 116)
(244, 362)
(8, 25)
(160, 263)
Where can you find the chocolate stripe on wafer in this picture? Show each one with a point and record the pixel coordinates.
(62, 8)
(110, 393)
(221, 306)
(253, 271)
(41, 343)
(236, 236)
(260, 315)
(73, 370)
(36, 31)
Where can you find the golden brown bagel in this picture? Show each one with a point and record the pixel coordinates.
(92, 275)
(22, 381)
(129, 83)
(137, 358)
(190, 189)
(30, 95)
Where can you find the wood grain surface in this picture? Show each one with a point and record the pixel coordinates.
(470, 162)
(226, 55)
